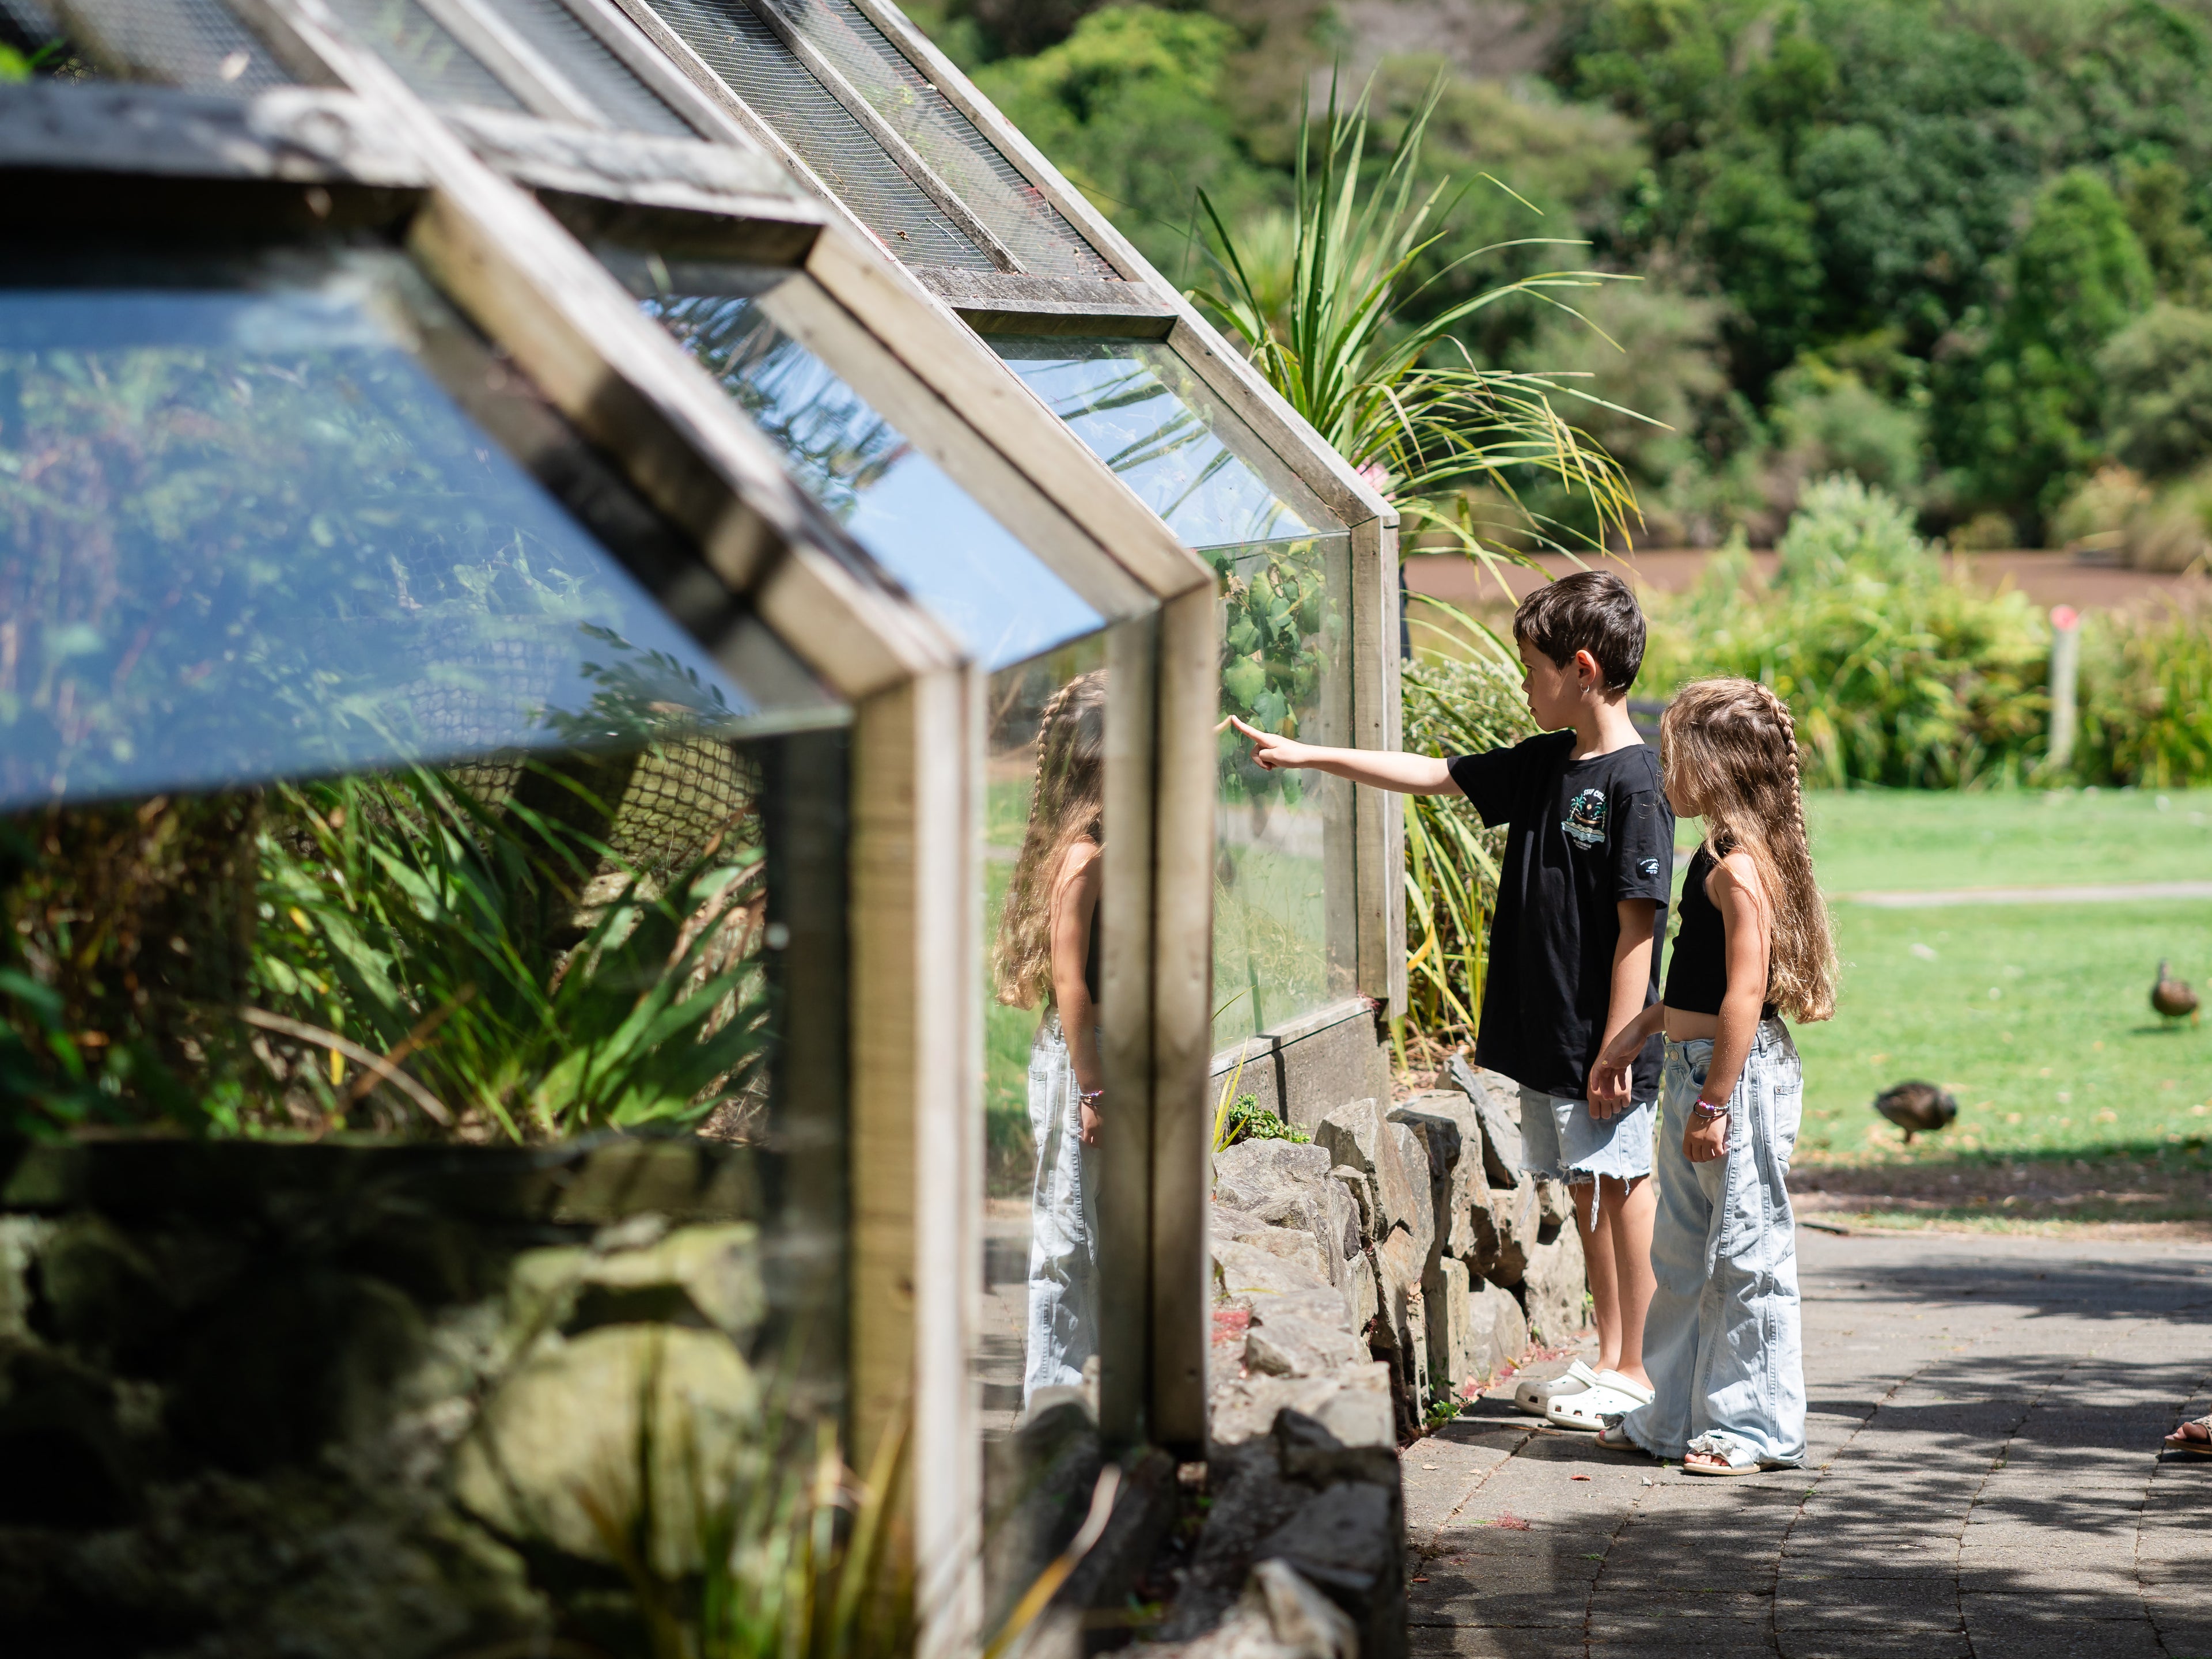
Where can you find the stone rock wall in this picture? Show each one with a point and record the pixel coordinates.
(366, 1402)
(1399, 1257)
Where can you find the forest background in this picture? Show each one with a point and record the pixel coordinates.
(1956, 248)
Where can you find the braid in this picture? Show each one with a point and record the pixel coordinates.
(1066, 801)
(1787, 724)
(1053, 705)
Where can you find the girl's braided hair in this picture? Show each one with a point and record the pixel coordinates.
(1730, 746)
(1067, 805)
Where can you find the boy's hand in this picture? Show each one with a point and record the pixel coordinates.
(1706, 1140)
(1271, 752)
(1610, 1082)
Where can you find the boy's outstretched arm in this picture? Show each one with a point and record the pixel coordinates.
(1379, 768)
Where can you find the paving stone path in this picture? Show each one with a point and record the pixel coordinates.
(1984, 1482)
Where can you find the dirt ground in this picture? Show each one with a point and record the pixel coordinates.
(2109, 1197)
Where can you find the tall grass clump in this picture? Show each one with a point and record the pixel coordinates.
(1898, 674)
(1346, 337)
(1452, 707)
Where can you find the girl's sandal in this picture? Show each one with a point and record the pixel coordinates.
(1723, 1456)
(2198, 1445)
(1612, 1436)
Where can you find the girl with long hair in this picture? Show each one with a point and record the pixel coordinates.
(1047, 952)
(1722, 1337)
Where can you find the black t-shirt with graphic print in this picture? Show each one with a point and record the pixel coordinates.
(1585, 834)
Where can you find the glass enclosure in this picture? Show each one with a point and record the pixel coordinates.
(349, 780)
(998, 598)
(1044, 770)
(1283, 925)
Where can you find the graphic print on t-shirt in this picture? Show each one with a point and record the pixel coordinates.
(1585, 820)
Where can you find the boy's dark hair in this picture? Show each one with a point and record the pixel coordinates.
(1591, 611)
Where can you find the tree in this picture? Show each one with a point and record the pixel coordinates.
(2028, 411)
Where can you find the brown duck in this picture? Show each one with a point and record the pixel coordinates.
(1920, 1107)
(2172, 998)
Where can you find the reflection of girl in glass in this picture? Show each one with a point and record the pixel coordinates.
(1048, 951)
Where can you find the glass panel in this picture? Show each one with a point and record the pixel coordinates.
(244, 534)
(416, 814)
(1002, 602)
(1283, 925)
(1044, 823)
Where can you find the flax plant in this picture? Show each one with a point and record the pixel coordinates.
(1397, 393)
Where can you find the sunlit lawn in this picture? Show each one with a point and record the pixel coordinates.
(2036, 1017)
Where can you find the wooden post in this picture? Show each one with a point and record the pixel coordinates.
(1182, 1018)
(916, 1152)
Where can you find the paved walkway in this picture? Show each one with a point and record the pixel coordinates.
(1984, 1482)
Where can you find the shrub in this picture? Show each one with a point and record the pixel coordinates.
(1896, 674)
(1453, 707)
(2147, 699)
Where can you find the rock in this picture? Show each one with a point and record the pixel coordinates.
(68, 1459)
(1279, 1616)
(290, 1363)
(1345, 1541)
(1284, 1345)
(561, 1439)
(1353, 1405)
(1309, 1450)
(1502, 1232)
(1450, 1333)
(1362, 1297)
(101, 1295)
(1293, 1245)
(1555, 1202)
(1404, 1325)
(1038, 1483)
(1359, 1192)
(1501, 1132)
(20, 1239)
(1289, 1186)
(1493, 1309)
(709, 1276)
(1551, 1289)
(1358, 1135)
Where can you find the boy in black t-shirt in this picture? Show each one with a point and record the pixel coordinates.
(1574, 943)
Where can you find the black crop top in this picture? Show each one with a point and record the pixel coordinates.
(1696, 973)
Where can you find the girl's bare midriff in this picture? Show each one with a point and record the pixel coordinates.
(1683, 1027)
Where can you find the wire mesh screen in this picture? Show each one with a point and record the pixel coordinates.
(196, 44)
(563, 40)
(741, 49)
(423, 53)
(979, 173)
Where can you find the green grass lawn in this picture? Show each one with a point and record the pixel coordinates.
(2036, 1017)
(1877, 839)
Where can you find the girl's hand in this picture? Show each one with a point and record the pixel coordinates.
(1273, 753)
(1705, 1138)
(1091, 1124)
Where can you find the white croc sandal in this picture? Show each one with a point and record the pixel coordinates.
(1533, 1397)
(1611, 1395)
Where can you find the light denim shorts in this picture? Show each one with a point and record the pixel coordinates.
(1561, 1140)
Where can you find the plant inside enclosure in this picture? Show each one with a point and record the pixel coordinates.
(534, 982)
(378, 951)
(804, 1559)
(1354, 343)
(1452, 706)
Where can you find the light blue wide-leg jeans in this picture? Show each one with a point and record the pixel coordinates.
(1063, 1324)
(1723, 1340)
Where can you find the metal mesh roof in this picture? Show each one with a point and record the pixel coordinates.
(197, 44)
(980, 174)
(756, 63)
(563, 39)
(423, 53)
